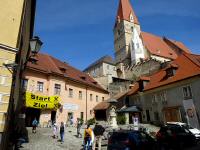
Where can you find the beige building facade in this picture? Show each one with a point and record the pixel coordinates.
(79, 93)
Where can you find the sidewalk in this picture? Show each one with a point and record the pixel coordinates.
(43, 140)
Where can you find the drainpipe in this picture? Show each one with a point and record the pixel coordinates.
(86, 105)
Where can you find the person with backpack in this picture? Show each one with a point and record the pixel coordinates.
(98, 132)
(62, 132)
(34, 125)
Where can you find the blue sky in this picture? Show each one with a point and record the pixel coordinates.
(80, 31)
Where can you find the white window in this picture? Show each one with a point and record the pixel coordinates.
(70, 92)
(2, 80)
(1, 97)
(80, 94)
(40, 86)
(187, 92)
(57, 89)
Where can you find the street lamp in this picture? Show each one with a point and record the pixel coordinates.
(35, 45)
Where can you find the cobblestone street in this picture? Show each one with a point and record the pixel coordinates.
(42, 140)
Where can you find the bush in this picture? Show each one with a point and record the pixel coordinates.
(91, 121)
(121, 119)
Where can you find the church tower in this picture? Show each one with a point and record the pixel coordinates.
(127, 40)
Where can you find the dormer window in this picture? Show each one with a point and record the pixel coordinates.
(171, 70)
(94, 82)
(83, 77)
(63, 69)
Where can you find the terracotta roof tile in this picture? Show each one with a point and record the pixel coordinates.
(157, 46)
(50, 65)
(124, 11)
(181, 46)
(102, 106)
(182, 72)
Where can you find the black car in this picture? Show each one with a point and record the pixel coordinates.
(131, 140)
(175, 137)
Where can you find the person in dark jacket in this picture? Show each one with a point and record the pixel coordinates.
(34, 125)
(62, 132)
(98, 132)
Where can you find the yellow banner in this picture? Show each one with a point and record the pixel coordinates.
(42, 102)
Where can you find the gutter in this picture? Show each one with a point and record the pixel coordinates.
(9, 48)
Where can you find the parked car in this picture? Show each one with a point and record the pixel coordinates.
(131, 140)
(194, 131)
(175, 137)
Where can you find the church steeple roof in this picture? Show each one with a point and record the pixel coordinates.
(125, 12)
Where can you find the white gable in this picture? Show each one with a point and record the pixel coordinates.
(137, 48)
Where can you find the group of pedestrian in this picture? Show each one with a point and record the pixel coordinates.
(61, 129)
(93, 137)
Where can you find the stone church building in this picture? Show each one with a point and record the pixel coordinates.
(136, 52)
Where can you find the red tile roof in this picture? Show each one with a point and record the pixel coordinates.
(105, 104)
(161, 47)
(134, 89)
(102, 106)
(50, 65)
(182, 71)
(124, 11)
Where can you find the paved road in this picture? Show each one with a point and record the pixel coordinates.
(42, 140)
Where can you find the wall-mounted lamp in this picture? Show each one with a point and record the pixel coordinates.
(35, 45)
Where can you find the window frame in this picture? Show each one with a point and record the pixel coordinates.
(80, 95)
(91, 97)
(40, 86)
(97, 98)
(57, 90)
(70, 93)
(187, 96)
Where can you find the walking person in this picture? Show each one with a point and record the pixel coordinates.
(62, 132)
(55, 130)
(78, 127)
(34, 125)
(98, 133)
(88, 135)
